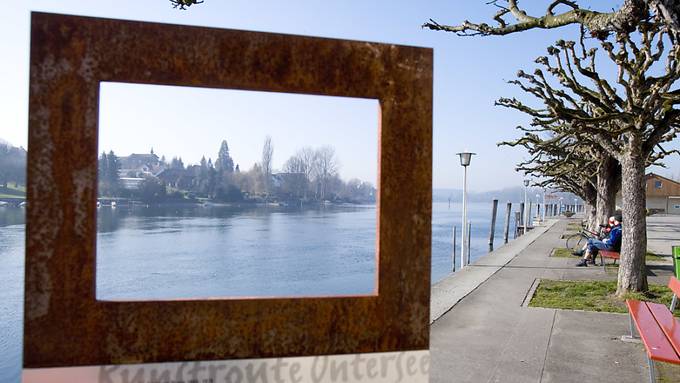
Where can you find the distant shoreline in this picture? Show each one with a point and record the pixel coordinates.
(120, 202)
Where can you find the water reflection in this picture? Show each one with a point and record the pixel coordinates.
(170, 252)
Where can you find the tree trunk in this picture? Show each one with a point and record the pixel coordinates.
(590, 200)
(608, 184)
(632, 271)
(591, 215)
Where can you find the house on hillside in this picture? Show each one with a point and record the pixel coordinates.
(139, 165)
(663, 194)
(136, 167)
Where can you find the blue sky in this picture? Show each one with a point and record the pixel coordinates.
(469, 73)
(244, 119)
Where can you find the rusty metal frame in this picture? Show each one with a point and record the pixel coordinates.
(64, 323)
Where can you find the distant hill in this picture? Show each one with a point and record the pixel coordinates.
(12, 165)
(511, 194)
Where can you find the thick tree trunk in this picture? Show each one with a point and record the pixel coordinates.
(632, 271)
(608, 184)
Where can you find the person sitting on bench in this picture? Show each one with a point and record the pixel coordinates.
(606, 229)
(613, 243)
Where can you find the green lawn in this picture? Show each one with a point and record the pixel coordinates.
(593, 296)
(562, 252)
(573, 226)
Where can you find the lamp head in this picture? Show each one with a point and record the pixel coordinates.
(526, 183)
(465, 158)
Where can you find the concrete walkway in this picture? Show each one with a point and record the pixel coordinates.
(663, 230)
(489, 336)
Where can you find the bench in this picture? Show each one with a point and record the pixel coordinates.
(658, 329)
(608, 254)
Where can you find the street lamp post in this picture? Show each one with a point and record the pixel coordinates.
(526, 205)
(464, 162)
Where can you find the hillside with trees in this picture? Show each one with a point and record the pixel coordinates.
(12, 170)
(311, 175)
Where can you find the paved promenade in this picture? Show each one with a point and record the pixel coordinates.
(489, 336)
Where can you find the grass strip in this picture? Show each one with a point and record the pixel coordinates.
(593, 296)
(574, 227)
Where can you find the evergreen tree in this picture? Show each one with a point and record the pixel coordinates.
(203, 175)
(177, 163)
(103, 174)
(112, 178)
(224, 161)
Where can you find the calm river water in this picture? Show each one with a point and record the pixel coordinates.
(193, 252)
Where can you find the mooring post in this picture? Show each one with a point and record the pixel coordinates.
(506, 232)
(522, 211)
(530, 219)
(453, 256)
(492, 232)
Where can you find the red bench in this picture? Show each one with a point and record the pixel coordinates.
(608, 254)
(658, 329)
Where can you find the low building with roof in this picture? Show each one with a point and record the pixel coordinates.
(663, 194)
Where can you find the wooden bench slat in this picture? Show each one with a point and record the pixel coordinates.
(656, 343)
(674, 284)
(669, 325)
(609, 254)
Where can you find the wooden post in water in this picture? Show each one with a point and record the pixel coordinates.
(453, 256)
(521, 212)
(518, 219)
(492, 232)
(530, 219)
(506, 232)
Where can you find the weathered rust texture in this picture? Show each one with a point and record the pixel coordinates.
(66, 326)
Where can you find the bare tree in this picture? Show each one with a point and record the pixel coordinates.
(184, 4)
(294, 165)
(325, 167)
(298, 180)
(562, 162)
(625, 19)
(267, 155)
(629, 120)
